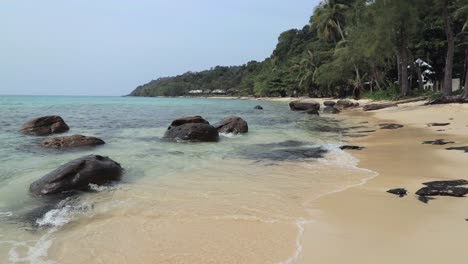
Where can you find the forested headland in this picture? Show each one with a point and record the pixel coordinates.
(387, 48)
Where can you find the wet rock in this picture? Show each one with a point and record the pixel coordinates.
(329, 103)
(232, 124)
(390, 126)
(425, 199)
(188, 120)
(373, 107)
(304, 105)
(437, 124)
(349, 147)
(331, 110)
(258, 107)
(312, 112)
(77, 175)
(399, 191)
(282, 151)
(444, 188)
(465, 149)
(344, 104)
(44, 126)
(194, 132)
(75, 141)
(437, 142)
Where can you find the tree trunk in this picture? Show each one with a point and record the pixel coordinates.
(447, 89)
(398, 67)
(465, 85)
(404, 70)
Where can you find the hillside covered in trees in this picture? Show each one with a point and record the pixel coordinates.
(349, 47)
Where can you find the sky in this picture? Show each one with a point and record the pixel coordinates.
(109, 47)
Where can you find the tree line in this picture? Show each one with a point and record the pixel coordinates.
(350, 47)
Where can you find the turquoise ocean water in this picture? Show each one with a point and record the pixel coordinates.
(132, 129)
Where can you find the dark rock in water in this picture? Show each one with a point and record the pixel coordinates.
(399, 191)
(283, 151)
(258, 107)
(74, 141)
(364, 122)
(44, 126)
(312, 112)
(438, 142)
(331, 110)
(425, 199)
(390, 126)
(329, 103)
(193, 128)
(77, 175)
(444, 188)
(465, 149)
(365, 131)
(437, 124)
(348, 147)
(188, 120)
(232, 124)
(194, 132)
(344, 104)
(304, 105)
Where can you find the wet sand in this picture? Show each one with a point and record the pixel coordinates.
(367, 225)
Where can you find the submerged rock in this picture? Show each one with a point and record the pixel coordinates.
(437, 142)
(331, 110)
(312, 112)
(390, 126)
(258, 107)
(283, 151)
(304, 105)
(444, 188)
(44, 126)
(232, 124)
(399, 191)
(74, 141)
(78, 175)
(349, 147)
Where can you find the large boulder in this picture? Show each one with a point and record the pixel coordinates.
(192, 129)
(77, 175)
(304, 105)
(74, 141)
(344, 104)
(329, 103)
(44, 126)
(189, 120)
(232, 124)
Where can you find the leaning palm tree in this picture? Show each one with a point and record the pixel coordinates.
(328, 19)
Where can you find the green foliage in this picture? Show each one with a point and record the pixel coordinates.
(349, 46)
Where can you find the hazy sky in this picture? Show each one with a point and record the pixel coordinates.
(108, 47)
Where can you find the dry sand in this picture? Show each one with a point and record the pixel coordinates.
(367, 225)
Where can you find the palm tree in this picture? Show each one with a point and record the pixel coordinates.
(329, 20)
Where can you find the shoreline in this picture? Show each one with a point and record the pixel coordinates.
(365, 224)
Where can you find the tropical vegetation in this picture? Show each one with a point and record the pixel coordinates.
(350, 48)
